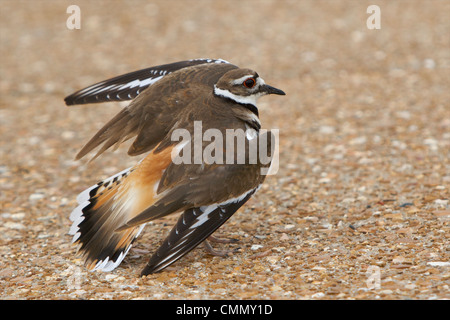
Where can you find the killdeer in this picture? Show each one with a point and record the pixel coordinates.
(113, 212)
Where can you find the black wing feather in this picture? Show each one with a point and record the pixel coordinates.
(193, 227)
(128, 86)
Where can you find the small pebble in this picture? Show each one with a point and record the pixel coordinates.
(36, 196)
(14, 225)
(439, 263)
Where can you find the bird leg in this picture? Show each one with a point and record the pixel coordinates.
(221, 240)
(220, 253)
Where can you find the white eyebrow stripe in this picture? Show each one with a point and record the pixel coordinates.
(241, 79)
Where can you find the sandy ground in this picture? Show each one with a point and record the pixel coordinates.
(359, 208)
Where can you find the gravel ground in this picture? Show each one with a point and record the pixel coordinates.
(359, 208)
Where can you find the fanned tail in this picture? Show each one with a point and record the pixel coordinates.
(102, 209)
(108, 205)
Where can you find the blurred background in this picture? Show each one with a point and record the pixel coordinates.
(364, 141)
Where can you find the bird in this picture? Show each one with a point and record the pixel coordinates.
(166, 100)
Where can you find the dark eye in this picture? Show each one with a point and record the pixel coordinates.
(249, 83)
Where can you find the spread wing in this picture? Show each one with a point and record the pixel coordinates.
(193, 227)
(128, 86)
(207, 204)
(160, 93)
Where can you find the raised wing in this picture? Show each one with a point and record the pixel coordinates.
(151, 115)
(193, 227)
(128, 86)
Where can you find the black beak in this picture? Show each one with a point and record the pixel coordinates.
(272, 90)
